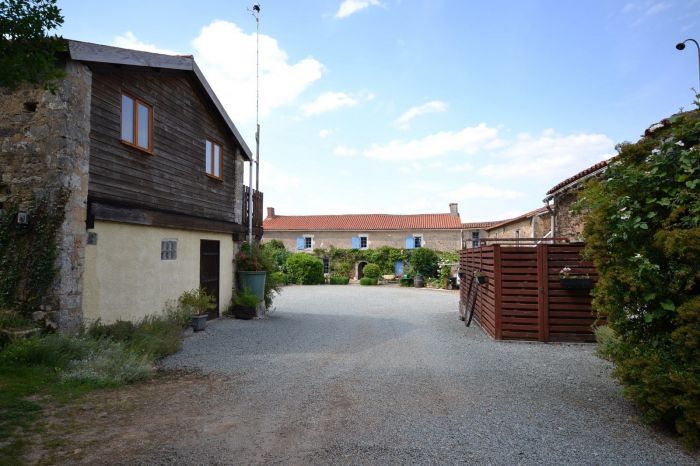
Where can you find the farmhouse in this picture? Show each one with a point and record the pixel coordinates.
(151, 168)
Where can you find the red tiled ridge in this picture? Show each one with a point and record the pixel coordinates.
(362, 222)
(579, 175)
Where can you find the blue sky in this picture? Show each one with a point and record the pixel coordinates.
(403, 106)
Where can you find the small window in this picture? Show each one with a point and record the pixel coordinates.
(417, 241)
(326, 265)
(212, 159)
(168, 250)
(363, 242)
(137, 123)
(475, 239)
(307, 242)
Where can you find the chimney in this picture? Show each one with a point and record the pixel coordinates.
(453, 210)
(270, 212)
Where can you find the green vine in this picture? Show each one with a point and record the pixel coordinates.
(28, 253)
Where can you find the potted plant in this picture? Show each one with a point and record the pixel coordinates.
(251, 270)
(573, 281)
(198, 303)
(480, 277)
(245, 304)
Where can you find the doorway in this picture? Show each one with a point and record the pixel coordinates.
(209, 272)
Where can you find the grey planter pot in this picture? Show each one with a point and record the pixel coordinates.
(199, 322)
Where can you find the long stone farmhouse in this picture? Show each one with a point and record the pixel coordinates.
(153, 168)
(439, 231)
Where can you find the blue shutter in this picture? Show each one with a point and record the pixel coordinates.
(409, 242)
(356, 242)
(300, 243)
(398, 268)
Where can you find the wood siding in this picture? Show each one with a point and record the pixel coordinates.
(523, 298)
(172, 179)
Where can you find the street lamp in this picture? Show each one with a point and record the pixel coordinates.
(681, 46)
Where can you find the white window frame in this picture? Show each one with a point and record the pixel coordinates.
(310, 240)
(476, 240)
(422, 241)
(366, 238)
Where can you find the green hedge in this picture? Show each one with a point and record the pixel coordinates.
(305, 269)
(371, 271)
(643, 234)
(338, 280)
(368, 281)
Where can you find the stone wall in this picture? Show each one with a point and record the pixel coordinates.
(441, 240)
(567, 224)
(45, 147)
(529, 227)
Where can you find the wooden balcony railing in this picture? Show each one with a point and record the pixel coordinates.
(257, 207)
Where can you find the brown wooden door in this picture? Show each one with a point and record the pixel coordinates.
(209, 271)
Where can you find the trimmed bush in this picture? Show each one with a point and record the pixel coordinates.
(608, 342)
(371, 271)
(643, 234)
(339, 280)
(305, 269)
(368, 281)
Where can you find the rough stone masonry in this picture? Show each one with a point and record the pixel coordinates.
(44, 148)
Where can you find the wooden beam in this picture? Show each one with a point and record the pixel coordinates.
(148, 217)
(497, 270)
(543, 290)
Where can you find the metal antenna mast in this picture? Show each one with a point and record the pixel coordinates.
(256, 13)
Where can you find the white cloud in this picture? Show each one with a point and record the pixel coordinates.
(549, 156)
(482, 191)
(272, 178)
(349, 7)
(344, 151)
(129, 41)
(230, 70)
(328, 101)
(463, 167)
(324, 133)
(469, 140)
(657, 8)
(433, 106)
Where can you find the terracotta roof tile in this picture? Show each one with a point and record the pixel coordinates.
(532, 213)
(362, 222)
(580, 175)
(478, 225)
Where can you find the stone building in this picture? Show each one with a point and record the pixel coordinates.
(442, 232)
(533, 224)
(561, 198)
(153, 168)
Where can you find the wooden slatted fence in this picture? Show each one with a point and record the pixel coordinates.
(523, 298)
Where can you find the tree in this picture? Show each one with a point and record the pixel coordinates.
(27, 52)
(643, 234)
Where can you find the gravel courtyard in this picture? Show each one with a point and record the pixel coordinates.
(386, 375)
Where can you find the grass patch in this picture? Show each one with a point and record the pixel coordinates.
(57, 368)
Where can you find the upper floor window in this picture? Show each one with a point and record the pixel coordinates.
(417, 241)
(475, 239)
(363, 241)
(137, 123)
(307, 242)
(212, 159)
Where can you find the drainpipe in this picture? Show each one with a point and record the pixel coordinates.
(551, 214)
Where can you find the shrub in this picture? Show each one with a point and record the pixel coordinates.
(608, 342)
(643, 234)
(339, 280)
(277, 252)
(424, 262)
(305, 269)
(263, 258)
(109, 364)
(368, 281)
(196, 302)
(371, 271)
(51, 351)
(245, 299)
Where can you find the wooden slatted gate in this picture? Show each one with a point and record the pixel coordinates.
(523, 298)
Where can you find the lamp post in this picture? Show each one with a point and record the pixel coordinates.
(681, 46)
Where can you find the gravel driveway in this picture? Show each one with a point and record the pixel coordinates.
(386, 375)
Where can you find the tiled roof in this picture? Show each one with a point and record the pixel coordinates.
(362, 222)
(579, 175)
(479, 225)
(532, 213)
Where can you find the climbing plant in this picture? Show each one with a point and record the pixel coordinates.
(643, 234)
(28, 253)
